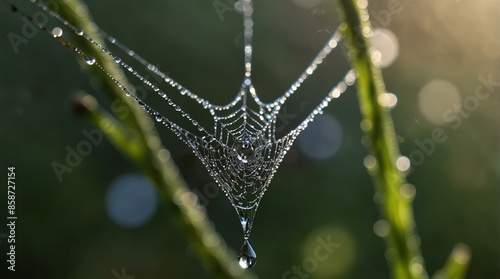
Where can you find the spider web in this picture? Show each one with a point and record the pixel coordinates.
(241, 151)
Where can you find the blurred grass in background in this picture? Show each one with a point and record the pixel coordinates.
(64, 230)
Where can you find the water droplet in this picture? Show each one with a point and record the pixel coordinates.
(247, 257)
(159, 118)
(57, 32)
(117, 59)
(89, 60)
(245, 151)
(151, 67)
(79, 32)
(206, 104)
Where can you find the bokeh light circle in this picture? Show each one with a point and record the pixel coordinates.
(131, 200)
(437, 97)
(386, 43)
(387, 100)
(328, 252)
(322, 139)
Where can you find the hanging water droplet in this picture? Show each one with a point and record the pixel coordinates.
(89, 60)
(247, 257)
(244, 169)
(57, 32)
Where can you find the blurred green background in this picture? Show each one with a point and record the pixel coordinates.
(447, 50)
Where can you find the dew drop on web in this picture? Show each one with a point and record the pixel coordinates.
(242, 153)
(89, 60)
(57, 32)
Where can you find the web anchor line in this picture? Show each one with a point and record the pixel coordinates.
(241, 153)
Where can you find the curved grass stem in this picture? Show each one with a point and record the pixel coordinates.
(145, 150)
(406, 259)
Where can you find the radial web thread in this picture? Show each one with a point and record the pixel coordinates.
(241, 151)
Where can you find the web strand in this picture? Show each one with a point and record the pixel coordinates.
(248, 35)
(248, 23)
(242, 153)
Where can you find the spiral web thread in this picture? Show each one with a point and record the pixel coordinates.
(241, 153)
